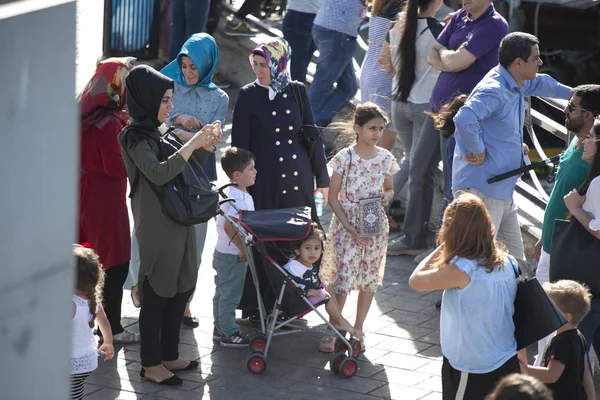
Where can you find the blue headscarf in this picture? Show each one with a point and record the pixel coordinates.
(202, 49)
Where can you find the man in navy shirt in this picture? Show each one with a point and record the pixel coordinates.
(489, 131)
(465, 51)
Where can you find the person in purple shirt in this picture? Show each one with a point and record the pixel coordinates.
(464, 52)
(489, 132)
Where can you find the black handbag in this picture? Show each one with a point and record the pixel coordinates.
(575, 254)
(536, 316)
(187, 199)
(308, 142)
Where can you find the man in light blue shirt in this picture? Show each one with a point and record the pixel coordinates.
(489, 131)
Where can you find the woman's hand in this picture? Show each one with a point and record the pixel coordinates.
(188, 122)
(325, 193)
(574, 200)
(205, 137)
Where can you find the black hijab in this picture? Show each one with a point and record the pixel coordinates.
(145, 90)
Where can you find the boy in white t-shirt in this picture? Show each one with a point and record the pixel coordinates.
(230, 259)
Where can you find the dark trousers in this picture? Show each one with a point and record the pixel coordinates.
(160, 322)
(458, 385)
(187, 17)
(112, 295)
(247, 8)
(214, 15)
(297, 30)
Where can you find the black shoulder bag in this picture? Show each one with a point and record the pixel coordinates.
(575, 254)
(536, 316)
(308, 142)
(187, 199)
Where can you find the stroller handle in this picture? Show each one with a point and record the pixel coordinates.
(222, 188)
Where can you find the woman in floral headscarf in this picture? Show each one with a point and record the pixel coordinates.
(103, 216)
(267, 121)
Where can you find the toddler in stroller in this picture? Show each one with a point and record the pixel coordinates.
(260, 231)
(306, 275)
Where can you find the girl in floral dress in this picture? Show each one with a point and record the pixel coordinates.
(362, 171)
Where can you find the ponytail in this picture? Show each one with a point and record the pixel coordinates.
(89, 277)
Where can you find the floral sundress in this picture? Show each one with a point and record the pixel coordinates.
(348, 265)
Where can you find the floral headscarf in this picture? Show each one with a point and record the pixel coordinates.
(203, 51)
(277, 52)
(105, 92)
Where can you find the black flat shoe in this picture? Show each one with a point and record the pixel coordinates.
(190, 366)
(192, 322)
(172, 381)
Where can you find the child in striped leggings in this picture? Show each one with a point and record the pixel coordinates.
(87, 307)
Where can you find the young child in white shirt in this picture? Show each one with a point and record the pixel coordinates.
(306, 275)
(230, 259)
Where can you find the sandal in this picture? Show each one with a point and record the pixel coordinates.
(327, 344)
(360, 336)
(126, 337)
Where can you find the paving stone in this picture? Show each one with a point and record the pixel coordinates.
(404, 346)
(433, 384)
(408, 303)
(119, 383)
(433, 396)
(432, 368)
(356, 384)
(397, 375)
(331, 393)
(432, 352)
(404, 361)
(403, 317)
(406, 331)
(110, 394)
(394, 391)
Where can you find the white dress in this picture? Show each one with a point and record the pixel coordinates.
(84, 353)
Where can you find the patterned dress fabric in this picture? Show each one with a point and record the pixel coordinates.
(348, 265)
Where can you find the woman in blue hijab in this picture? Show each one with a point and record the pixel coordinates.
(197, 101)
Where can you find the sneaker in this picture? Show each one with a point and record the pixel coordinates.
(423, 256)
(239, 339)
(241, 29)
(221, 81)
(396, 247)
(217, 335)
(254, 318)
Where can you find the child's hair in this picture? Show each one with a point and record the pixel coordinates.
(443, 119)
(520, 387)
(235, 159)
(315, 233)
(364, 113)
(90, 276)
(570, 297)
(467, 232)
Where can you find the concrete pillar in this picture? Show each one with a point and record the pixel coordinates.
(38, 196)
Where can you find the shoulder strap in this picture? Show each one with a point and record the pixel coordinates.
(423, 31)
(298, 99)
(515, 268)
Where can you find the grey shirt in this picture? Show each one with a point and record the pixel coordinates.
(305, 6)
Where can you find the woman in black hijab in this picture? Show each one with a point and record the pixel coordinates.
(168, 270)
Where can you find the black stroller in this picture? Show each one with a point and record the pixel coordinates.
(259, 229)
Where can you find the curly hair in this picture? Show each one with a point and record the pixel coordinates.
(467, 232)
(90, 277)
(570, 297)
(443, 120)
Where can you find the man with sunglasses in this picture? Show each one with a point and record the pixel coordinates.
(489, 132)
(580, 113)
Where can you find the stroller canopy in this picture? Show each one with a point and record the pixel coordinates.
(286, 224)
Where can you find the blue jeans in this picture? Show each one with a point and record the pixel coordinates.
(334, 66)
(297, 27)
(187, 17)
(229, 283)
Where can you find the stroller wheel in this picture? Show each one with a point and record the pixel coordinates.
(356, 347)
(259, 343)
(256, 363)
(336, 361)
(348, 367)
(340, 346)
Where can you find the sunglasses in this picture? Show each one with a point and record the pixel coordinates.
(571, 108)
